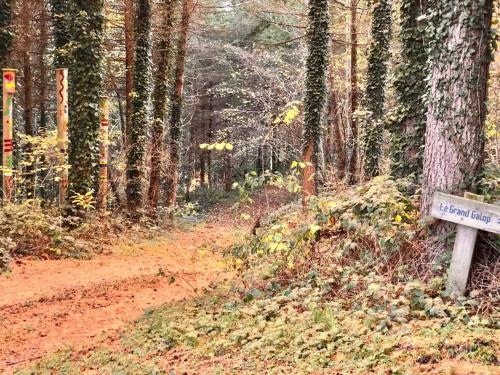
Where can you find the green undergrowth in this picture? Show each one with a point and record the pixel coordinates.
(28, 229)
(341, 288)
(353, 322)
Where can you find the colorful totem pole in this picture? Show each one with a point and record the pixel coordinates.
(62, 131)
(9, 89)
(103, 153)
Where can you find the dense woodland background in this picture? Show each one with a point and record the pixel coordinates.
(206, 94)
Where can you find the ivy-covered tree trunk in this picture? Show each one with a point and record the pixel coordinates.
(460, 60)
(172, 177)
(42, 68)
(29, 129)
(374, 101)
(141, 101)
(352, 99)
(317, 63)
(407, 123)
(129, 65)
(85, 85)
(6, 37)
(160, 98)
(62, 11)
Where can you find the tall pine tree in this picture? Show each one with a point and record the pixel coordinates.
(85, 89)
(317, 63)
(172, 178)
(374, 101)
(407, 122)
(140, 103)
(460, 60)
(160, 98)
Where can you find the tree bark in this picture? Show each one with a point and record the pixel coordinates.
(455, 137)
(172, 178)
(317, 63)
(129, 16)
(374, 100)
(160, 96)
(27, 11)
(140, 116)
(42, 50)
(407, 131)
(352, 131)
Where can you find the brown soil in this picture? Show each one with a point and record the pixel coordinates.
(46, 305)
(49, 305)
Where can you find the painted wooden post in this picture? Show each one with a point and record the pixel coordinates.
(9, 89)
(103, 152)
(62, 131)
(471, 215)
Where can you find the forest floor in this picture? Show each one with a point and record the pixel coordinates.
(171, 305)
(47, 305)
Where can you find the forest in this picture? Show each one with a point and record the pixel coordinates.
(250, 187)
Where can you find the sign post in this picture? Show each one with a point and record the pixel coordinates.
(103, 152)
(8, 91)
(471, 215)
(62, 131)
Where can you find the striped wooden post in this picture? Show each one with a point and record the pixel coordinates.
(103, 152)
(62, 131)
(9, 89)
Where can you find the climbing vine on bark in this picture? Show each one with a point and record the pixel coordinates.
(85, 89)
(160, 100)
(317, 63)
(407, 122)
(374, 102)
(141, 102)
(460, 56)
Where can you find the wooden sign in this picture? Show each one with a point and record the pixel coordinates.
(471, 215)
(62, 131)
(8, 91)
(467, 212)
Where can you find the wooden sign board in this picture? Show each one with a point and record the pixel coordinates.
(471, 215)
(466, 212)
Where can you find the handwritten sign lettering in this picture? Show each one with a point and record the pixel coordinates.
(466, 212)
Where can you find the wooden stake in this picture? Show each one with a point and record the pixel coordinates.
(103, 153)
(471, 215)
(62, 131)
(463, 252)
(9, 89)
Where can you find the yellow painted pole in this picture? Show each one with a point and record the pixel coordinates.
(62, 131)
(103, 152)
(9, 89)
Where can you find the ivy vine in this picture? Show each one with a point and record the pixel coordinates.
(141, 106)
(374, 101)
(408, 121)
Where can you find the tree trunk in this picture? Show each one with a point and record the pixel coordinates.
(140, 117)
(408, 129)
(317, 63)
(461, 56)
(42, 50)
(160, 96)
(129, 65)
(352, 131)
(229, 172)
(172, 178)
(337, 142)
(374, 101)
(85, 76)
(28, 93)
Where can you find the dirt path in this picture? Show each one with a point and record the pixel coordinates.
(47, 305)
